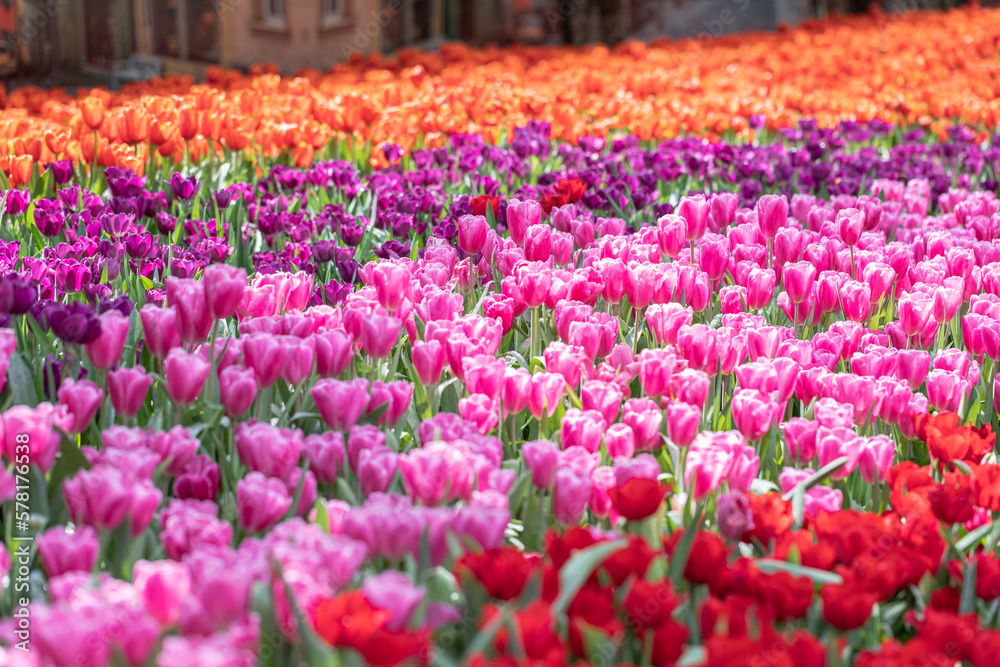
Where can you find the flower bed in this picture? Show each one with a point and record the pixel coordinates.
(697, 403)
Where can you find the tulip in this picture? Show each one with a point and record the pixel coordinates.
(604, 397)
(672, 232)
(376, 469)
(772, 214)
(538, 243)
(694, 210)
(161, 586)
(583, 429)
(699, 346)
(534, 281)
(83, 398)
(481, 410)
(666, 320)
(760, 288)
(199, 480)
(261, 502)
(735, 517)
(472, 233)
(875, 457)
(237, 390)
(61, 550)
(104, 496)
(160, 330)
(546, 394)
(638, 498)
(224, 286)
(34, 427)
(798, 279)
(724, 206)
(516, 392)
(106, 350)
(428, 361)
(946, 390)
(392, 283)
(128, 388)
(850, 224)
(705, 469)
(379, 335)
(187, 298)
(570, 495)
(619, 441)
(683, 421)
(541, 457)
(521, 215)
(914, 312)
(334, 352)
(644, 417)
(340, 403)
(800, 438)
(753, 413)
(185, 374)
(855, 298)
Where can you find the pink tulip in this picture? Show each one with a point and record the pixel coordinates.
(816, 498)
(644, 417)
(534, 281)
(547, 390)
(604, 397)
(538, 243)
(570, 496)
(639, 283)
(376, 469)
(772, 214)
(798, 279)
(800, 438)
(724, 205)
(698, 345)
(261, 502)
(187, 298)
(104, 497)
(753, 413)
(705, 468)
(672, 232)
(541, 457)
(666, 320)
(760, 288)
(224, 288)
(128, 388)
(326, 455)
(61, 551)
(520, 216)
(714, 257)
(237, 390)
(875, 457)
(159, 326)
(162, 585)
(683, 422)
(481, 410)
(199, 480)
(850, 223)
(583, 429)
(334, 352)
(300, 356)
(472, 233)
(855, 297)
(619, 441)
(914, 312)
(484, 374)
(392, 283)
(946, 390)
(694, 209)
(379, 335)
(690, 386)
(340, 403)
(428, 361)
(185, 374)
(516, 392)
(106, 350)
(83, 399)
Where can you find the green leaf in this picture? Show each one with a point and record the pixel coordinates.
(679, 560)
(518, 491)
(973, 537)
(692, 656)
(322, 517)
(577, 570)
(770, 565)
(967, 602)
(21, 381)
(375, 414)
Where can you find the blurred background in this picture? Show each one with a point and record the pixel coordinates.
(117, 41)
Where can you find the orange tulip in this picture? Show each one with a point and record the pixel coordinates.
(20, 170)
(92, 110)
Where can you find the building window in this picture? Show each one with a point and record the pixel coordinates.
(185, 29)
(334, 11)
(273, 11)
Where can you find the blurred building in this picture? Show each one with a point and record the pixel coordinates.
(121, 40)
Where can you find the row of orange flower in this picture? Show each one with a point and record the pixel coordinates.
(923, 68)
